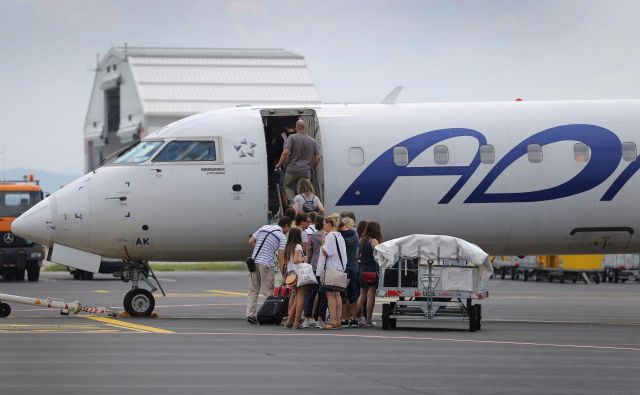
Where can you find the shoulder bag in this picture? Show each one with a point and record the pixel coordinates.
(250, 261)
(336, 280)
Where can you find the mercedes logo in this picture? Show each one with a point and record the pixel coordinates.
(8, 238)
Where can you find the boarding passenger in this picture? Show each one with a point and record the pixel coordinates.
(288, 131)
(293, 255)
(315, 301)
(362, 226)
(369, 269)
(302, 155)
(306, 201)
(302, 223)
(268, 242)
(333, 257)
(290, 212)
(350, 299)
(312, 223)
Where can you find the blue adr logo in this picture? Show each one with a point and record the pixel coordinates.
(370, 187)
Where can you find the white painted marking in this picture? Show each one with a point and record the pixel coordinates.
(415, 338)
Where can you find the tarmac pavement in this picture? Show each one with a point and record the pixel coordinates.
(536, 337)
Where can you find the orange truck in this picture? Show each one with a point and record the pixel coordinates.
(18, 257)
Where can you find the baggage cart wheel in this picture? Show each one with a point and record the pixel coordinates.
(473, 320)
(478, 316)
(5, 310)
(139, 302)
(596, 278)
(525, 275)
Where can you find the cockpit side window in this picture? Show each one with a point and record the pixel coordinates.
(140, 152)
(187, 151)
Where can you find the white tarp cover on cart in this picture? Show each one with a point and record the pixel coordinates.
(429, 246)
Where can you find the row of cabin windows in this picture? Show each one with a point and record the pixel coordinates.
(581, 154)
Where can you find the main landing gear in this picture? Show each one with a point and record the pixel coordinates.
(139, 302)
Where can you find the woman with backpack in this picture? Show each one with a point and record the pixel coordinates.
(306, 201)
(369, 268)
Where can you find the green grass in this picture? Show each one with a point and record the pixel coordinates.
(177, 267)
(199, 266)
(55, 268)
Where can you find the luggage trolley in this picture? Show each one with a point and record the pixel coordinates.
(432, 289)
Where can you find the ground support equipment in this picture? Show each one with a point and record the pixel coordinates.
(65, 307)
(425, 293)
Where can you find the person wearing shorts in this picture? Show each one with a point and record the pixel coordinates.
(369, 268)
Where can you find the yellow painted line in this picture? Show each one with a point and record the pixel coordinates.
(128, 325)
(230, 293)
(101, 291)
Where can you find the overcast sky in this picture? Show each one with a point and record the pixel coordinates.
(357, 51)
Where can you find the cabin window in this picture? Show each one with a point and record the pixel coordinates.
(441, 154)
(356, 156)
(629, 151)
(534, 153)
(140, 152)
(187, 151)
(487, 154)
(581, 152)
(400, 156)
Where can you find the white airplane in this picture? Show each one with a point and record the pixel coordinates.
(516, 178)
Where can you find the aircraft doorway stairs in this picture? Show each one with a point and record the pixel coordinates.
(275, 122)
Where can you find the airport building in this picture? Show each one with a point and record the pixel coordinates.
(138, 90)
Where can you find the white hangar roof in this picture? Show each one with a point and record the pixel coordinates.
(185, 81)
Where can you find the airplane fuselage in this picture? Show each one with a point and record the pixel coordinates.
(515, 178)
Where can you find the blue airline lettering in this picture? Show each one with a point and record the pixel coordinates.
(605, 156)
(374, 182)
(622, 179)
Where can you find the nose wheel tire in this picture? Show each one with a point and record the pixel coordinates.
(5, 310)
(139, 302)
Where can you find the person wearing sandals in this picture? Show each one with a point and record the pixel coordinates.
(315, 301)
(369, 280)
(351, 294)
(334, 256)
(293, 256)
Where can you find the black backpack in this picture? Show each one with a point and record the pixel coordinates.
(308, 205)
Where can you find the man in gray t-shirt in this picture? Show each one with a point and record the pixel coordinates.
(301, 155)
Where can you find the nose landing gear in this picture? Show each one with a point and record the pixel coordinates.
(139, 302)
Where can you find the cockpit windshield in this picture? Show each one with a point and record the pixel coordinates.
(140, 152)
(186, 151)
(12, 204)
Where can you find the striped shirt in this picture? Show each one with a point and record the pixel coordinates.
(276, 241)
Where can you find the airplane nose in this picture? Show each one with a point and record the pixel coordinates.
(34, 224)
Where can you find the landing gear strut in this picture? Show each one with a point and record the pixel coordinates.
(139, 302)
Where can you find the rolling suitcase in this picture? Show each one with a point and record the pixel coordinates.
(272, 310)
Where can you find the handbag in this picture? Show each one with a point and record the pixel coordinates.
(369, 278)
(282, 291)
(336, 280)
(292, 280)
(250, 261)
(305, 274)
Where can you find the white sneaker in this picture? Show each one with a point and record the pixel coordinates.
(312, 322)
(370, 324)
(306, 323)
(319, 324)
(361, 321)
